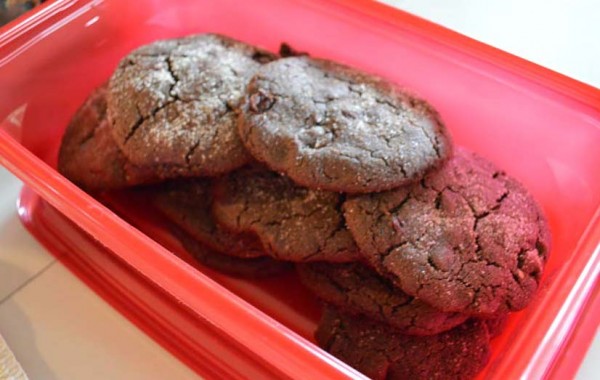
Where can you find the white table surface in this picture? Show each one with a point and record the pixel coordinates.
(59, 329)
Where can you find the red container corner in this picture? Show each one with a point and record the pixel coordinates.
(540, 126)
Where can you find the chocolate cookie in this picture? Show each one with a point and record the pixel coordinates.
(466, 238)
(357, 289)
(88, 155)
(242, 267)
(292, 222)
(172, 103)
(328, 126)
(188, 205)
(496, 325)
(382, 353)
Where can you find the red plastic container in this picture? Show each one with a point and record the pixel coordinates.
(541, 127)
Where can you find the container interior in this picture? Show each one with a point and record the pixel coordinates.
(542, 137)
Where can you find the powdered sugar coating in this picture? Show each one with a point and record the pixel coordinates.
(173, 102)
(328, 126)
(466, 238)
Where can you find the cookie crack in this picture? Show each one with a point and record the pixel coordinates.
(151, 116)
(88, 137)
(432, 141)
(401, 164)
(174, 76)
(355, 90)
(220, 114)
(398, 207)
(340, 227)
(190, 152)
(135, 125)
(500, 200)
(260, 224)
(385, 102)
(173, 97)
(388, 251)
(381, 158)
(396, 308)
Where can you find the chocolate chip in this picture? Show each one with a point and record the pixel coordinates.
(285, 50)
(263, 56)
(261, 102)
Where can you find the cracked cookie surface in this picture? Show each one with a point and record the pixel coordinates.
(293, 223)
(253, 267)
(89, 156)
(173, 103)
(328, 126)
(187, 203)
(466, 238)
(357, 289)
(380, 352)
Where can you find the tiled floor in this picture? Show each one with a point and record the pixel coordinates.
(21, 258)
(9, 366)
(59, 329)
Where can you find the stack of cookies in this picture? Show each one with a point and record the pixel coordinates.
(265, 162)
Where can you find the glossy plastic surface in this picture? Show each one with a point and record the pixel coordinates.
(541, 127)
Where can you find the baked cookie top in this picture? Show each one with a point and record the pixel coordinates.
(467, 238)
(380, 352)
(293, 223)
(358, 289)
(173, 103)
(328, 126)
